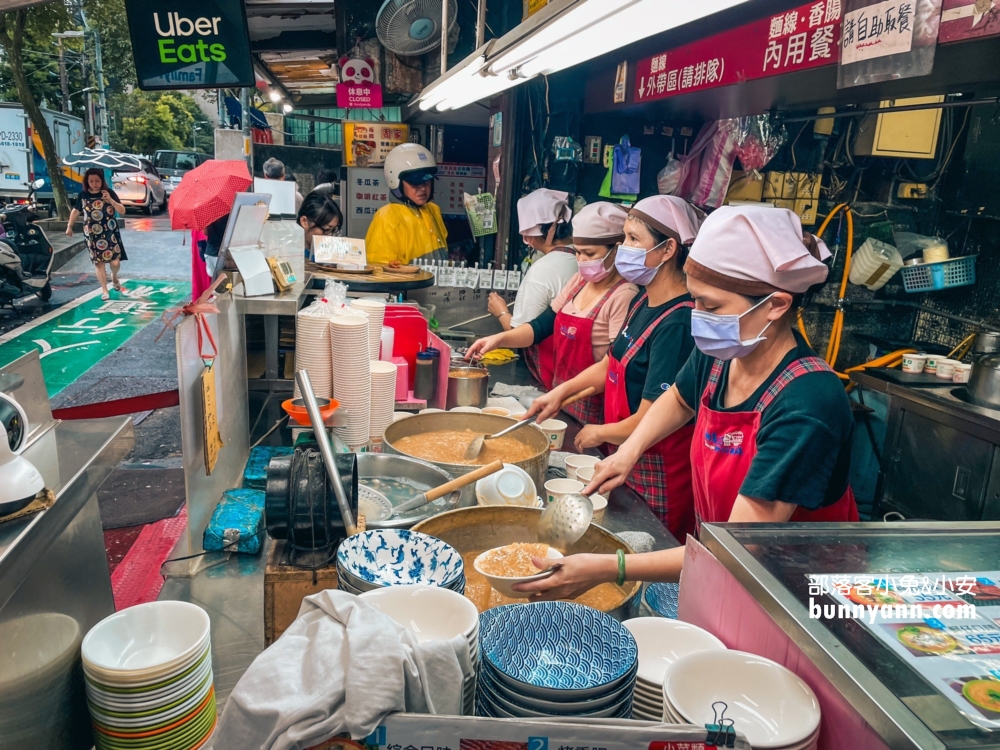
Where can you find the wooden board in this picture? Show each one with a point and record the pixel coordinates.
(378, 274)
(210, 420)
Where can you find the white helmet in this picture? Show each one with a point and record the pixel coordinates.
(406, 157)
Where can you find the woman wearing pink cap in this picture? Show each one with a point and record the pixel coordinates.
(645, 358)
(586, 315)
(773, 424)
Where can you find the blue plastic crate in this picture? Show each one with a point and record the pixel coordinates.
(945, 274)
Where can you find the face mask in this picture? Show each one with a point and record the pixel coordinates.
(631, 264)
(594, 270)
(719, 335)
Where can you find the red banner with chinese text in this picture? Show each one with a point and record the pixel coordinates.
(803, 38)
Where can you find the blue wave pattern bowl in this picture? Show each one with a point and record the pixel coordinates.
(555, 659)
(662, 599)
(395, 557)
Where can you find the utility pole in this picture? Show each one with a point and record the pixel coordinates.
(88, 108)
(102, 116)
(63, 81)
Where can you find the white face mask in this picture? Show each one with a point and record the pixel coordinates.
(719, 335)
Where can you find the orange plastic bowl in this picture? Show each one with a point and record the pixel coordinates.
(296, 409)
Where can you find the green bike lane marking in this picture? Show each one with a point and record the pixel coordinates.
(74, 338)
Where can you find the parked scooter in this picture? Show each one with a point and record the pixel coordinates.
(25, 252)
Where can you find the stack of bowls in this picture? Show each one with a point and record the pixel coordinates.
(547, 659)
(397, 557)
(434, 614)
(661, 598)
(352, 380)
(376, 316)
(770, 705)
(383, 400)
(662, 642)
(148, 673)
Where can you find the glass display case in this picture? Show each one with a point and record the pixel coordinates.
(921, 677)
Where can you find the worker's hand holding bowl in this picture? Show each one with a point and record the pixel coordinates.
(574, 575)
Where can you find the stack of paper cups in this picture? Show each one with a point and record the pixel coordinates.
(376, 314)
(383, 397)
(312, 351)
(352, 382)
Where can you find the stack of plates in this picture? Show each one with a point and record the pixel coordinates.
(661, 598)
(376, 315)
(38, 682)
(148, 672)
(433, 614)
(769, 704)
(662, 642)
(383, 400)
(352, 382)
(312, 351)
(554, 659)
(397, 557)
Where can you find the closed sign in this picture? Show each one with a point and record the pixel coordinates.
(190, 44)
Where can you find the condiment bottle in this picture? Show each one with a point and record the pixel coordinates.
(425, 378)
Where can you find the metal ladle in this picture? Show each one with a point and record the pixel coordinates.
(474, 448)
(566, 520)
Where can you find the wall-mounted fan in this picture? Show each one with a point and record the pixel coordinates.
(413, 27)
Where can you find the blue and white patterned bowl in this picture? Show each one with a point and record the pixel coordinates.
(488, 705)
(504, 696)
(557, 651)
(661, 598)
(392, 557)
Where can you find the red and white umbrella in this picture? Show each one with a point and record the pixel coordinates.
(206, 193)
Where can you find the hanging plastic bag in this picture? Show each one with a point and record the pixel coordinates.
(605, 191)
(669, 177)
(708, 167)
(625, 163)
(756, 141)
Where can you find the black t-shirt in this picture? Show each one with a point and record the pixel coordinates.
(87, 195)
(804, 443)
(654, 368)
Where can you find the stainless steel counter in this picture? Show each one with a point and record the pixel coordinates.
(271, 307)
(773, 562)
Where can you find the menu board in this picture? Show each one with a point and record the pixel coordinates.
(943, 625)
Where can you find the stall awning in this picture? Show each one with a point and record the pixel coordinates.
(563, 34)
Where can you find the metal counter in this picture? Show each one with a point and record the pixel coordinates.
(271, 307)
(773, 562)
(53, 568)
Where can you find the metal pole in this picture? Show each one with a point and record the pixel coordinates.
(884, 110)
(444, 36)
(245, 123)
(103, 130)
(63, 82)
(480, 23)
(88, 112)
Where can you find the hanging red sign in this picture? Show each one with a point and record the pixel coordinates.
(803, 38)
(359, 96)
(968, 19)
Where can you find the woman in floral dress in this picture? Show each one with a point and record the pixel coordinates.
(100, 207)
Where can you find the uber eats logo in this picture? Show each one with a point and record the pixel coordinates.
(182, 39)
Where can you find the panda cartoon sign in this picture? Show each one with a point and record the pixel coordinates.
(357, 88)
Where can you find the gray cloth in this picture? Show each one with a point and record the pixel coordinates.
(342, 666)
(640, 541)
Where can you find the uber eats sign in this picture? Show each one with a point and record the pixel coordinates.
(190, 44)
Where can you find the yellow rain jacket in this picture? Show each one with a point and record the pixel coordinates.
(400, 232)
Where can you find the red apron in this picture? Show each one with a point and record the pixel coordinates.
(573, 352)
(727, 443)
(662, 476)
(540, 357)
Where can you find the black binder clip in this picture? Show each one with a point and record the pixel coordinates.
(722, 732)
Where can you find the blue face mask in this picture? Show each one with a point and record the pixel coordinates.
(719, 335)
(631, 264)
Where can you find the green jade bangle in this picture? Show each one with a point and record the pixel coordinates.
(621, 567)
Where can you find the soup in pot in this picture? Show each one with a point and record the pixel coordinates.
(448, 447)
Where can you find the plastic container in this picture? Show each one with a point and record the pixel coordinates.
(946, 368)
(946, 274)
(425, 378)
(874, 264)
(914, 363)
(962, 373)
(932, 362)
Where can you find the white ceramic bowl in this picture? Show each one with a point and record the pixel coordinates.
(505, 584)
(429, 411)
(467, 410)
(558, 487)
(510, 486)
(575, 462)
(496, 411)
(429, 612)
(146, 637)
(555, 431)
(662, 642)
(769, 704)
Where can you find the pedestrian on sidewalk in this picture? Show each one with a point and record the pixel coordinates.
(100, 207)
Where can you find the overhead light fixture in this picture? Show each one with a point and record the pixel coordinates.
(578, 31)
(286, 108)
(275, 96)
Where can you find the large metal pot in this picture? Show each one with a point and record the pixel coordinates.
(373, 466)
(487, 424)
(467, 386)
(482, 528)
(984, 382)
(986, 344)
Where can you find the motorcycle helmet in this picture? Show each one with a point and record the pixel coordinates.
(408, 162)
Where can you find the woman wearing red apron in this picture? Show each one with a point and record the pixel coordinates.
(543, 217)
(646, 357)
(773, 424)
(585, 316)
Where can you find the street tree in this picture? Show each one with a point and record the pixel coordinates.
(13, 25)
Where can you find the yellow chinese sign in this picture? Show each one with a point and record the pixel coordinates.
(366, 144)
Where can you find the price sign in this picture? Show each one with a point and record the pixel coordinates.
(346, 251)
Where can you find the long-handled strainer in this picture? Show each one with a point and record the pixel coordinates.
(565, 521)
